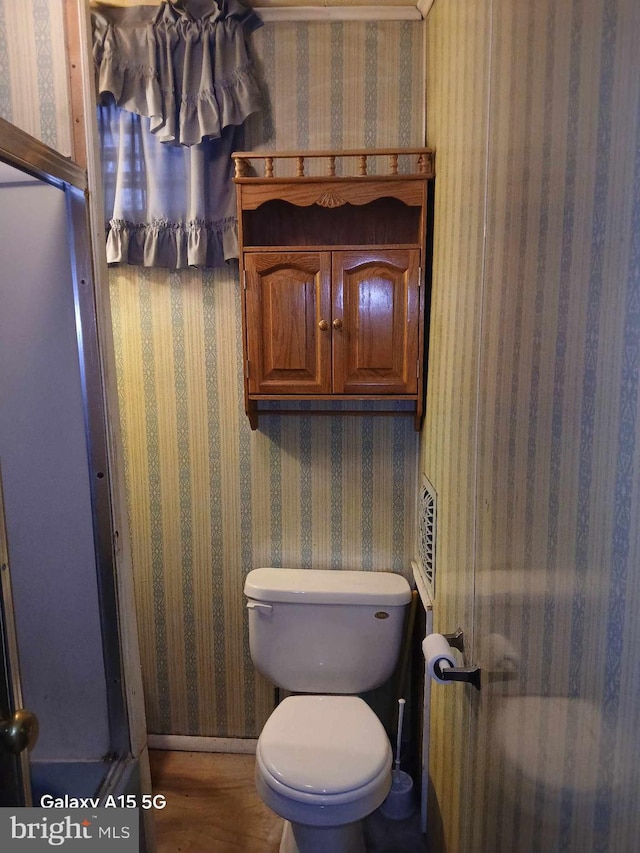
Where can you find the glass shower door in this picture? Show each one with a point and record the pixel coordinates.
(59, 541)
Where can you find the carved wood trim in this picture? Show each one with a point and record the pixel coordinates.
(330, 199)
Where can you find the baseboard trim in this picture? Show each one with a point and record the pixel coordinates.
(187, 743)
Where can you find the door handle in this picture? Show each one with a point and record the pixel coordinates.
(19, 732)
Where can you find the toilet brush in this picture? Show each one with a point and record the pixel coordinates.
(399, 802)
(396, 763)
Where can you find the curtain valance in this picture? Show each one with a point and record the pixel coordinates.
(176, 83)
(166, 205)
(184, 65)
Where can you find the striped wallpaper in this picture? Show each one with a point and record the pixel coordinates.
(208, 498)
(531, 431)
(531, 436)
(34, 89)
(457, 119)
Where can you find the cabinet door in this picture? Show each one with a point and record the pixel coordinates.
(288, 307)
(375, 322)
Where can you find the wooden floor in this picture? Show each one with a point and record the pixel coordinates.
(212, 805)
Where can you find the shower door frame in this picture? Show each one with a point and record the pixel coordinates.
(27, 154)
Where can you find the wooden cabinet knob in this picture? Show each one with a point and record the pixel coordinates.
(323, 325)
(337, 323)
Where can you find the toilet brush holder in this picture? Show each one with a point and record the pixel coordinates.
(399, 803)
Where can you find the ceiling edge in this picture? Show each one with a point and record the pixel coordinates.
(424, 6)
(272, 14)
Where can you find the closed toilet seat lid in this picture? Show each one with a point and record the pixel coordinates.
(324, 744)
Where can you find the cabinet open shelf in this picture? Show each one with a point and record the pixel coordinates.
(383, 222)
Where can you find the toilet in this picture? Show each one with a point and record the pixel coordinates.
(323, 759)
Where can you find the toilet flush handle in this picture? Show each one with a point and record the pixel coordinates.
(257, 605)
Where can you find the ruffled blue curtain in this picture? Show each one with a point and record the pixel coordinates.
(175, 83)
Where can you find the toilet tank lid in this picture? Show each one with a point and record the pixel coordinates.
(327, 586)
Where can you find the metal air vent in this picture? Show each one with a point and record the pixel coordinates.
(427, 532)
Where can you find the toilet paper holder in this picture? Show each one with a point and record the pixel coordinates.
(468, 674)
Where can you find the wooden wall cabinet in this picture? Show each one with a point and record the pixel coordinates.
(332, 270)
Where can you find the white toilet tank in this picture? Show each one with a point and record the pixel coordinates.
(324, 631)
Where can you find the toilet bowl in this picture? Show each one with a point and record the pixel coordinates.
(323, 763)
(323, 759)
